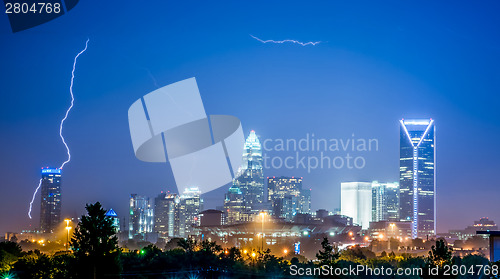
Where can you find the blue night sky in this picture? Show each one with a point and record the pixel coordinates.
(378, 62)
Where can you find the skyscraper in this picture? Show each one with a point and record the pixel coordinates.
(141, 219)
(190, 205)
(234, 205)
(166, 215)
(50, 206)
(356, 202)
(177, 215)
(278, 187)
(417, 176)
(250, 178)
(305, 201)
(385, 201)
(287, 197)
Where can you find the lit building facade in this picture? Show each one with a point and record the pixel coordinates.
(287, 197)
(250, 178)
(484, 224)
(189, 207)
(50, 206)
(114, 218)
(141, 219)
(178, 215)
(385, 201)
(356, 202)
(383, 230)
(305, 201)
(278, 187)
(212, 218)
(234, 205)
(166, 215)
(417, 176)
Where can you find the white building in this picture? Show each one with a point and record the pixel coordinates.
(356, 202)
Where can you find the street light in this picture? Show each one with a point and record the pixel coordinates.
(68, 228)
(392, 225)
(262, 215)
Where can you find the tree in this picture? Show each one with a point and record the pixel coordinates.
(172, 243)
(328, 254)
(9, 253)
(34, 265)
(189, 245)
(356, 254)
(95, 244)
(440, 254)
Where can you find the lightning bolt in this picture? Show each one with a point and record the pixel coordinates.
(71, 106)
(285, 41)
(33, 199)
(62, 123)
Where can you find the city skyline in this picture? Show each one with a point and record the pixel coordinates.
(375, 64)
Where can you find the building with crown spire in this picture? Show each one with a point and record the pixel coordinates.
(250, 177)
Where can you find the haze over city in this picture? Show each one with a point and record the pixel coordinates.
(374, 66)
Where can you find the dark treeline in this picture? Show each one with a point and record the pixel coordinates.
(95, 254)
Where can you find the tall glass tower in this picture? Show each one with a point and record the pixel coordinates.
(234, 205)
(385, 201)
(287, 197)
(166, 215)
(190, 205)
(141, 218)
(417, 176)
(50, 207)
(250, 177)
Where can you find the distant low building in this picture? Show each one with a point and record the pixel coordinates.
(321, 213)
(494, 245)
(211, 218)
(484, 224)
(338, 220)
(383, 230)
(276, 231)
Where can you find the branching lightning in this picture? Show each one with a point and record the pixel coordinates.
(285, 41)
(62, 123)
(33, 199)
(71, 106)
